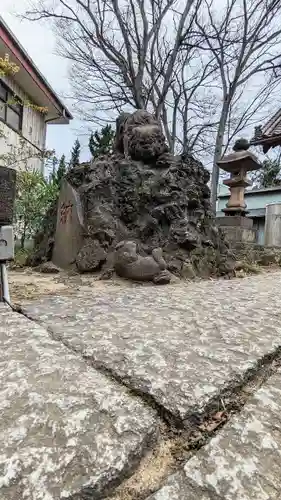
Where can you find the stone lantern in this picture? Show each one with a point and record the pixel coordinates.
(237, 226)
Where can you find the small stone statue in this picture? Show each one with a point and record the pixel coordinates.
(128, 264)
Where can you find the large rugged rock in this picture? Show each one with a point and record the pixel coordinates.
(144, 194)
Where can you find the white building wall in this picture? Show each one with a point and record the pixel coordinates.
(33, 133)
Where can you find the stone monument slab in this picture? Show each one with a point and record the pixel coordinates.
(7, 195)
(70, 226)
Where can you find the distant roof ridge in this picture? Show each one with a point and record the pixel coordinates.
(269, 126)
(253, 191)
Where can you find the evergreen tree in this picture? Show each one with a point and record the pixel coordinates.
(269, 175)
(101, 143)
(75, 154)
(59, 174)
(53, 163)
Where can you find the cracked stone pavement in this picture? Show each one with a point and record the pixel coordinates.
(86, 380)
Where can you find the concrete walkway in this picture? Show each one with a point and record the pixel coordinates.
(243, 461)
(180, 345)
(84, 395)
(65, 429)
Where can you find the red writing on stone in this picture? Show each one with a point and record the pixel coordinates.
(65, 212)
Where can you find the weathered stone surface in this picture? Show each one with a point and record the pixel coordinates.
(48, 268)
(257, 254)
(242, 462)
(182, 344)
(66, 431)
(188, 271)
(268, 257)
(91, 256)
(177, 487)
(143, 193)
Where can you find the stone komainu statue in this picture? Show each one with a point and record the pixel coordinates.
(139, 136)
(129, 264)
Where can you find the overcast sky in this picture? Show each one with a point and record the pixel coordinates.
(39, 42)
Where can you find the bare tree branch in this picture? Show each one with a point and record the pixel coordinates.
(245, 42)
(121, 51)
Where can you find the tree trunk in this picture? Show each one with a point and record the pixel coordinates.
(165, 123)
(22, 240)
(218, 153)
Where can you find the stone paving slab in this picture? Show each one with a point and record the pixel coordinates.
(65, 429)
(180, 344)
(242, 462)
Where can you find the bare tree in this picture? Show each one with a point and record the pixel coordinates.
(243, 36)
(203, 66)
(124, 53)
(189, 102)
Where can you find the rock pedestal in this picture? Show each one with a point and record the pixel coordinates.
(150, 200)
